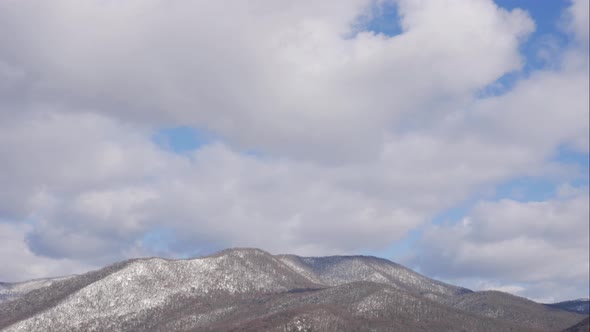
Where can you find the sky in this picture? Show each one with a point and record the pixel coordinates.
(450, 136)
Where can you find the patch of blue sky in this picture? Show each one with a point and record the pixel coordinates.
(457, 212)
(168, 242)
(381, 18)
(501, 85)
(546, 14)
(182, 139)
(384, 19)
(580, 161)
(548, 18)
(540, 49)
(567, 155)
(400, 250)
(527, 189)
(159, 239)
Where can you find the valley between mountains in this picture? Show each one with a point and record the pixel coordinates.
(252, 290)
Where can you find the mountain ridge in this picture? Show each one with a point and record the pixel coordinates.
(248, 288)
(581, 306)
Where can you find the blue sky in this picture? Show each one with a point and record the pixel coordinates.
(182, 139)
(450, 136)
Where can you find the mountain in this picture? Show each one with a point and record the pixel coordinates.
(581, 326)
(13, 290)
(337, 270)
(580, 306)
(512, 308)
(252, 290)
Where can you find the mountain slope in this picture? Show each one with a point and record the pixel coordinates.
(11, 290)
(356, 306)
(249, 289)
(512, 308)
(41, 299)
(581, 306)
(337, 270)
(142, 284)
(581, 326)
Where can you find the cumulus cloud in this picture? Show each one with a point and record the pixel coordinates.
(48, 151)
(272, 75)
(577, 20)
(364, 137)
(529, 242)
(107, 185)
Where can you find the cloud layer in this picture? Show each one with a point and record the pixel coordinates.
(530, 243)
(361, 137)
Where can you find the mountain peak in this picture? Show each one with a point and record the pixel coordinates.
(242, 252)
(250, 289)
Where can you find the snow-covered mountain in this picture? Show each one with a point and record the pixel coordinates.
(337, 270)
(249, 289)
(10, 290)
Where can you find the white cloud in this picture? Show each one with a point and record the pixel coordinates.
(365, 137)
(223, 197)
(51, 151)
(514, 289)
(528, 242)
(267, 75)
(577, 20)
(544, 110)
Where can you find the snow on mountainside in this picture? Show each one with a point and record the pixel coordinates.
(149, 283)
(10, 290)
(249, 289)
(337, 270)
